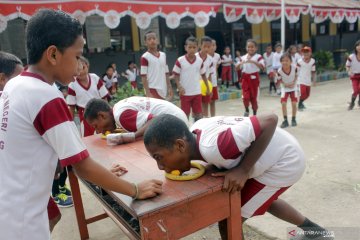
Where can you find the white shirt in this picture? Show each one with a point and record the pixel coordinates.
(250, 68)
(79, 95)
(353, 63)
(226, 60)
(208, 64)
(268, 61)
(305, 69)
(287, 78)
(39, 130)
(109, 81)
(132, 113)
(223, 141)
(155, 69)
(276, 64)
(295, 58)
(190, 74)
(216, 62)
(131, 75)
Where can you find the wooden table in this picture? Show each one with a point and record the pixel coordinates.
(183, 208)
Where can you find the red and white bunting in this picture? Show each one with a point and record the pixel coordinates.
(335, 15)
(113, 11)
(254, 15)
(352, 16)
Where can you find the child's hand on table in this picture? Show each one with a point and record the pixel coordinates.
(118, 170)
(149, 188)
(235, 179)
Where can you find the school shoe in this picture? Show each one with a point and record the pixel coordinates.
(246, 114)
(284, 124)
(293, 123)
(301, 106)
(65, 190)
(351, 106)
(63, 201)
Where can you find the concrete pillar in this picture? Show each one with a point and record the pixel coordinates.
(305, 31)
(200, 32)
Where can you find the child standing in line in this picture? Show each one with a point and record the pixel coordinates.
(85, 87)
(238, 70)
(260, 161)
(131, 74)
(188, 69)
(154, 70)
(226, 62)
(307, 75)
(276, 62)
(268, 57)
(287, 77)
(252, 63)
(353, 68)
(110, 80)
(206, 45)
(295, 56)
(214, 77)
(54, 45)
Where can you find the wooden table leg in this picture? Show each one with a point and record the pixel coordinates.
(78, 205)
(234, 223)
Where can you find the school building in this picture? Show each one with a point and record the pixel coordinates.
(114, 30)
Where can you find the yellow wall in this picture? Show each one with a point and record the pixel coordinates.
(332, 29)
(305, 31)
(135, 35)
(200, 32)
(261, 33)
(313, 29)
(256, 32)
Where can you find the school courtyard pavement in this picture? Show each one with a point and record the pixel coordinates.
(328, 193)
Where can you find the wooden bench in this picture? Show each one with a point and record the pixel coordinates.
(183, 208)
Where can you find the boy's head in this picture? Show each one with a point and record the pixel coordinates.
(285, 60)
(278, 47)
(84, 65)
(306, 52)
(227, 50)
(300, 47)
(168, 140)
(98, 114)
(357, 47)
(10, 66)
(113, 65)
(206, 44)
(151, 40)
(131, 64)
(269, 48)
(238, 53)
(214, 46)
(292, 49)
(109, 71)
(54, 41)
(251, 46)
(191, 46)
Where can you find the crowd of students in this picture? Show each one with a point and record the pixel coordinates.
(261, 159)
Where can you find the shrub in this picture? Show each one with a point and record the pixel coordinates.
(125, 91)
(324, 61)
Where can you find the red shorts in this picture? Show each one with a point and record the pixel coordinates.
(271, 75)
(226, 73)
(52, 209)
(188, 102)
(215, 94)
(206, 99)
(155, 94)
(292, 95)
(256, 198)
(134, 85)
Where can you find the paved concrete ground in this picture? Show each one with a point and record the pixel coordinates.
(329, 191)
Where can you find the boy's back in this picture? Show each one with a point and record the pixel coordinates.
(223, 141)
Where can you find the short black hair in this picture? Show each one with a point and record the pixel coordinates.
(109, 66)
(130, 62)
(190, 39)
(278, 45)
(8, 63)
(94, 106)
(84, 60)
(148, 32)
(205, 39)
(49, 27)
(252, 41)
(286, 55)
(269, 45)
(357, 43)
(165, 129)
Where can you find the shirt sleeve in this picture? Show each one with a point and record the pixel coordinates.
(103, 92)
(54, 123)
(144, 66)
(348, 62)
(261, 61)
(71, 97)
(131, 120)
(177, 67)
(313, 67)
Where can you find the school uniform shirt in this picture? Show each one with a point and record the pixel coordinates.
(216, 62)
(268, 58)
(226, 60)
(79, 95)
(190, 74)
(131, 75)
(208, 64)
(109, 81)
(295, 58)
(132, 113)
(287, 78)
(276, 64)
(250, 68)
(39, 130)
(223, 142)
(305, 69)
(155, 69)
(353, 63)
